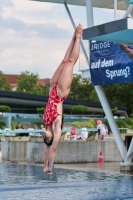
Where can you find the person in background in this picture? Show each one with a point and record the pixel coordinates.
(84, 133)
(42, 126)
(101, 130)
(19, 126)
(73, 134)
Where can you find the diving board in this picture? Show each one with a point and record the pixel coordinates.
(120, 31)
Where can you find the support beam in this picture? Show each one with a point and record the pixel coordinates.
(115, 9)
(102, 96)
(130, 151)
(130, 7)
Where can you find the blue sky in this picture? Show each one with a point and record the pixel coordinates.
(35, 35)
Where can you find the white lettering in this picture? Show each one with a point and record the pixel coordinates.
(99, 46)
(104, 63)
(119, 72)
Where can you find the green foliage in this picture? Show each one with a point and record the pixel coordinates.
(118, 94)
(40, 110)
(93, 96)
(13, 125)
(42, 89)
(131, 115)
(29, 83)
(114, 110)
(4, 108)
(88, 124)
(122, 123)
(80, 88)
(129, 122)
(92, 123)
(79, 109)
(4, 83)
(2, 125)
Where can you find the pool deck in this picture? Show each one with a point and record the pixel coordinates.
(106, 167)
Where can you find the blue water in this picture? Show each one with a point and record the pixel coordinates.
(28, 182)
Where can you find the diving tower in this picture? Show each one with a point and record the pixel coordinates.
(105, 32)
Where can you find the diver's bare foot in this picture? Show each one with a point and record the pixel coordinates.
(79, 31)
(50, 172)
(45, 169)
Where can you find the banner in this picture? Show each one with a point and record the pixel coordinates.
(110, 63)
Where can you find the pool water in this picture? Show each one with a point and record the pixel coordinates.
(28, 182)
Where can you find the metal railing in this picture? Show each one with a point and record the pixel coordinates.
(41, 131)
(24, 131)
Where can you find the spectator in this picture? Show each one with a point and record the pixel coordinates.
(42, 126)
(101, 130)
(73, 134)
(84, 133)
(19, 126)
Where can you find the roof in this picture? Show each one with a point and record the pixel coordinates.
(32, 99)
(96, 3)
(12, 78)
(45, 81)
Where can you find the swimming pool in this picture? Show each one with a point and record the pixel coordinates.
(28, 182)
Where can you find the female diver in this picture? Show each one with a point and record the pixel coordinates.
(59, 90)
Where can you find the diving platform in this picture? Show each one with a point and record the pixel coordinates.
(119, 31)
(109, 4)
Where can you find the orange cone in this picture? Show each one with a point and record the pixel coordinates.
(101, 160)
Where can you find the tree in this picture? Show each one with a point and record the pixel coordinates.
(80, 88)
(4, 108)
(42, 90)
(114, 110)
(4, 83)
(40, 110)
(79, 109)
(121, 94)
(27, 82)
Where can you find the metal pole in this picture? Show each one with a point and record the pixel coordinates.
(8, 121)
(102, 97)
(130, 7)
(130, 151)
(115, 9)
(74, 26)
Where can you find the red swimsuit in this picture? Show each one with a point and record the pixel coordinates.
(51, 108)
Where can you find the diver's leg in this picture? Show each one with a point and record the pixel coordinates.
(57, 135)
(58, 71)
(65, 78)
(46, 157)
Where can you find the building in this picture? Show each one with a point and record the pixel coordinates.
(12, 78)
